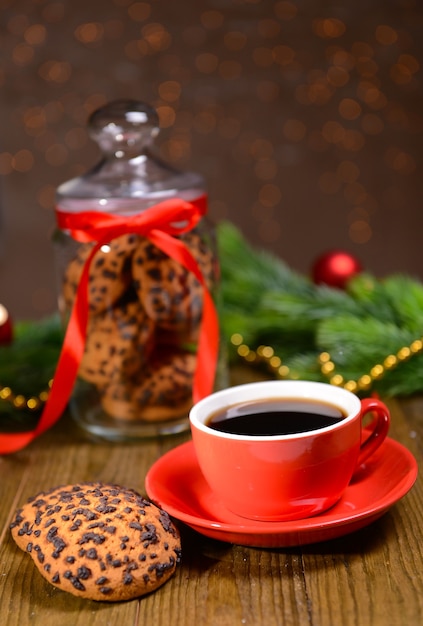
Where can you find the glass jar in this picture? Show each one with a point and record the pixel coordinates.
(145, 307)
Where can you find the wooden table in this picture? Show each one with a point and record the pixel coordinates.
(369, 578)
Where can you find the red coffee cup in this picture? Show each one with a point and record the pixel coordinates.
(292, 466)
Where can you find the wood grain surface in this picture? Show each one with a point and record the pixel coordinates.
(372, 577)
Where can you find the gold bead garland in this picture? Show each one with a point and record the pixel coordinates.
(263, 354)
(19, 401)
(266, 354)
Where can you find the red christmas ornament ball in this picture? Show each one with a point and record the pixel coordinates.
(335, 268)
(6, 328)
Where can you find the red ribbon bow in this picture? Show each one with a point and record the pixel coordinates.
(161, 224)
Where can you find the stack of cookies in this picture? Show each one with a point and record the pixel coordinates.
(145, 310)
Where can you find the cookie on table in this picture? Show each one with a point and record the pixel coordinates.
(109, 273)
(118, 344)
(98, 541)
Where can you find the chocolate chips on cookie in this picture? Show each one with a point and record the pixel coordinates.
(98, 541)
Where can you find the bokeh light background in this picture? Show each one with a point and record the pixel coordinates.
(305, 118)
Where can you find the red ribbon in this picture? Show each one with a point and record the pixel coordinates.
(161, 224)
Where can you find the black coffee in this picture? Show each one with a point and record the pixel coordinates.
(275, 417)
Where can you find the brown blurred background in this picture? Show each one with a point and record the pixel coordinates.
(305, 118)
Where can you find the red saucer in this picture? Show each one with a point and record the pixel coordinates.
(176, 484)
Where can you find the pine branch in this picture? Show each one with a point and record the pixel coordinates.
(268, 303)
(28, 363)
(355, 342)
(246, 273)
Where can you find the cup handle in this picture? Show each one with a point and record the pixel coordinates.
(378, 428)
